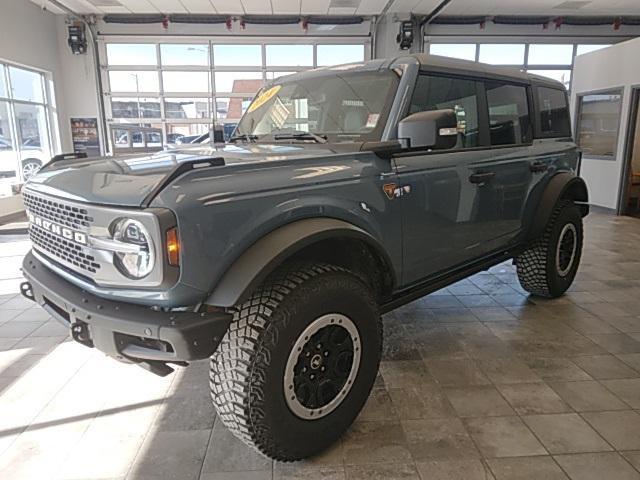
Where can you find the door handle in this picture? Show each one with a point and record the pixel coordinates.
(481, 177)
(537, 167)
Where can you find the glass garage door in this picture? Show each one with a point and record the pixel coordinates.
(185, 88)
(552, 60)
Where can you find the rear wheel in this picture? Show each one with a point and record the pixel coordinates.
(548, 267)
(299, 360)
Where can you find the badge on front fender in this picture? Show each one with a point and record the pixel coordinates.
(389, 190)
(392, 190)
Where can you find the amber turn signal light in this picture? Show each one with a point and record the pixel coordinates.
(173, 247)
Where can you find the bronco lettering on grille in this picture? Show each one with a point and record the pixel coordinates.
(58, 230)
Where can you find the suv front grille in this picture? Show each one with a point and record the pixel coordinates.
(57, 212)
(74, 238)
(63, 249)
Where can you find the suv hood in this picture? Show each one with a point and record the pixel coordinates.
(128, 180)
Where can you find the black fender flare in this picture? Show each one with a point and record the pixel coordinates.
(563, 185)
(268, 253)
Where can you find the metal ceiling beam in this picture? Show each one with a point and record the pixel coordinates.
(427, 19)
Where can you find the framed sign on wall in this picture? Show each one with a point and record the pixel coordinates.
(84, 134)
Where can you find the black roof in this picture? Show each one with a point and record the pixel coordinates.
(467, 67)
(433, 63)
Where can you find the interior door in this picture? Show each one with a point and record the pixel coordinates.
(631, 197)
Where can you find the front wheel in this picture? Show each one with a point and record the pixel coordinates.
(30, 167)
(549, 265)
(298, 361)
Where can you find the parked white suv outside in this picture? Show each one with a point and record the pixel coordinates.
(33, 159)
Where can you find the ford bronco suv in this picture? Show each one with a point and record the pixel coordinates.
(344, 193)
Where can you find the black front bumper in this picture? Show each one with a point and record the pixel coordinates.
(125, 331)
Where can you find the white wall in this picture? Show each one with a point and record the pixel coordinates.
(27, 32)
(616, 67)
(77, 87)
(37, 38)
(28, 36)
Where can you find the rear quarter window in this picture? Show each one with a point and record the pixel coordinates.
(553, 111)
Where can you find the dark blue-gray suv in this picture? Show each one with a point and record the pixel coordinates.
(344, 192)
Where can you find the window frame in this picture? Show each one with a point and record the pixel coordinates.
(579, 103)
(50, 108)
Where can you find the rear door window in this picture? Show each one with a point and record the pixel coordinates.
(554, 112)
(458, 94)
(509, 118)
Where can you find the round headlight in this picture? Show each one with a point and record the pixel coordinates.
(137, 258)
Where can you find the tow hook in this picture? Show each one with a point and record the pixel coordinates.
(27, 291)
(80, 333)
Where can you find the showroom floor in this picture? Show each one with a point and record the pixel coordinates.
(477, 382)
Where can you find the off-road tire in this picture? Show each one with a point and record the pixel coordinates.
(537, 267)
(247, 369)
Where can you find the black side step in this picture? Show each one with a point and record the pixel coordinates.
(424, 288)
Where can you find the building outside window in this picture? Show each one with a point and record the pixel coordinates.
(28, 126)
(187, 88)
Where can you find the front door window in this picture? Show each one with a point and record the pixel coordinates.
(459, 95)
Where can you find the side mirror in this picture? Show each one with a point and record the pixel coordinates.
(435, 129)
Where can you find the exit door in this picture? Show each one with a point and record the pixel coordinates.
(631, 181)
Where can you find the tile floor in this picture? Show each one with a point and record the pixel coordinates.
(478, 381)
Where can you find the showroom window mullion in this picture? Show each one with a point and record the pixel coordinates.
(133, 68)
(214, 88)
(161, 97)
(263, 52)
(542, 66)
(13, 126)
(51, 112)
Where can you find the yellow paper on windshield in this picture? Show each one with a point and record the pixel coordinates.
(264, 97)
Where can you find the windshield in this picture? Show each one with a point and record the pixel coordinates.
(339, 106)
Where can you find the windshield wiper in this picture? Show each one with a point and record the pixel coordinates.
(244, 136)
(318, 138)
